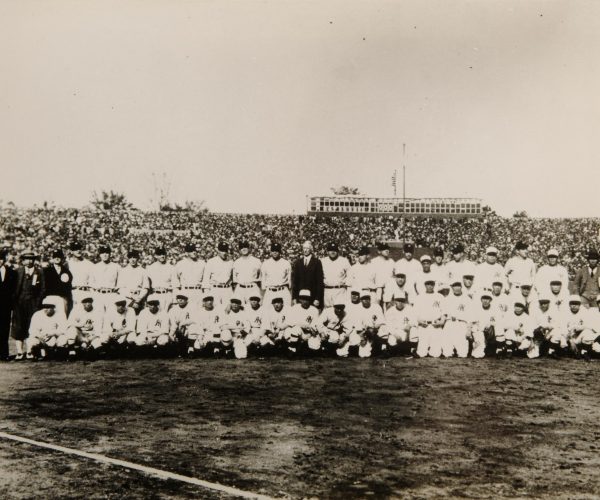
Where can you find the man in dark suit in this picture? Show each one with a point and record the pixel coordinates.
(586, 283)
(58, 280)
(27, 300)
(7, 290)
(307, 274)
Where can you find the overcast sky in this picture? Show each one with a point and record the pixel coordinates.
(252, 105)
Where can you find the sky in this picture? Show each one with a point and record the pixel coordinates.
(253, 105)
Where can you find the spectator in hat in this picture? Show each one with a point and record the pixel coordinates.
(190, 274)
(246, 274)
(163, 279)
(586, 283)
(133, 282)
(519, 268)
(552, 271)
(276, 273)
(335, 275)
(80, 268)
(104, 279)
(307, 274)
(362, 274)
(58, 281)
(218, 275)
(8, 281)
(28, 294)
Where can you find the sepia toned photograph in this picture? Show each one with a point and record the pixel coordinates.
(299, 249)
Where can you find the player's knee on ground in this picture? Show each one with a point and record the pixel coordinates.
(240, 349)
(162, 340)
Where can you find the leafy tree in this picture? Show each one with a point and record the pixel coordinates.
(521, 215)
(110, 200)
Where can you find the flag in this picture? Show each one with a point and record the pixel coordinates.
(394, 179)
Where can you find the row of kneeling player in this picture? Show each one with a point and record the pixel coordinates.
(434, 325)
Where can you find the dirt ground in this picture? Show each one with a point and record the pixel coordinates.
(321, 428)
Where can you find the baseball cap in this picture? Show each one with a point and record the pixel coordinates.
(181, 296)
(332, 247)
(486, 293)
(276, 300)
(425, 258)
(574, 299)
(519, 303)
(223, 247)
(491, 251)
(364, 251)
(275, 247)
(304, 293)
(236, 301)
(365, 293)
(87, 298)
(254, 297)
(553, 252)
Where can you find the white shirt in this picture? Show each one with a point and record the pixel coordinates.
(384, 270)
(456, 270)
(153, 324)
(104, 275)
(486, 274)
(412, 268)
(576, 322)
(210, 321)
(190, 272)
(330, 321)
(132, 279)
(547, 274)
(275, 321)
(521, 323)
(275, 273)
(371, 317)
(428, 306)
(162, 275)
(484, 318)
(335, 272)
(80, 269)
(217, 272)
(404, 319)
(361, 276)
(43, 326)
(236, 321)
(255, 317)
(246, 270)
(86, 321)
(520, 271)
(458, 307)
(304, 318)
(120, 323)
(392, 289)
(180, 317)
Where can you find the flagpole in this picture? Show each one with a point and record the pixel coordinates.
(403, 180)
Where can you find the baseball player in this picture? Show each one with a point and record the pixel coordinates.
(302, 321)
(335, 272)
(275, 277)
(182, 320)
(133, 283)
(85, 326)
(500, 300)
(246, 274)
(490, 271)
(119, 323)
(104, 277)
(384, 269)
(551, 272)
(408, 265)
(190, 273)
(163, 279)
(517, 331)
(396, 287)
(580, 329)
(47, 330)
(549, 330)
(209, 322)
(367, 321)
(486, 320)
(458, 266)
(362, 274)
(439, 268)
(520, 268)
(235, 329)
(427, 273)
(80, 269)
(275, 322)
(428, 309)
(468, 286)
(153, 326)
(255, 315)
(218, 275)
(401, 323)
(458, 315)
(335, 327)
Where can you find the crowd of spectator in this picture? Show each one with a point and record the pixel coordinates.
(45, 229)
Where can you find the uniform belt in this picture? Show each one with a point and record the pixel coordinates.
(246, 286)
(192, 288)
(276, 288)
(162, 290)
(335, 286)
(84, 288)
(106, 290)
(221, 286)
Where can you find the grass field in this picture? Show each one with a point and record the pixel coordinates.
(305, 428)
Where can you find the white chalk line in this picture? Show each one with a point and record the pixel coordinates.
(162, 474)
